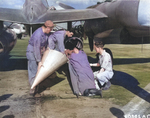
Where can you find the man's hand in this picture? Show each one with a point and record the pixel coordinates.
(101, 70)
(39, 65)
(69, 34)
(68, 52)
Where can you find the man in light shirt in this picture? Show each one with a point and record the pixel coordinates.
(105, 62)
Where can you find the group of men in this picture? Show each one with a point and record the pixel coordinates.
(84, 81)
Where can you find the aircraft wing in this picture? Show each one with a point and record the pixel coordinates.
(12, 15)
(17, 15)
(70, 15)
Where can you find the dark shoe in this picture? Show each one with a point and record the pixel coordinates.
(86, 92)
(106, 86)
(92, 92)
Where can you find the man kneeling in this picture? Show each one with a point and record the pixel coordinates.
(105, 62)
(81, 74)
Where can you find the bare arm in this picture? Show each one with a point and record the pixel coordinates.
(95, 64)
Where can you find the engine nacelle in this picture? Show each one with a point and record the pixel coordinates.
(8, 40)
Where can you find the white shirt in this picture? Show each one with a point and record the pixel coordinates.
(105, 61)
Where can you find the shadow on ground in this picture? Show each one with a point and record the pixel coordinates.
(9, 116)
(130, 83)
(117, 112)
(4, 97)
(5, 107)
(54, 79)
(125, 80)
(7, 64)
(120, 78)
(49, 82)
(121, 61)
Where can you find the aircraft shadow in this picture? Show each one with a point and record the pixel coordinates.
(4, 108)
(9, 116)
(4, 97)
(7, 64)
(117, 112)
(130, 83)
(120, 61)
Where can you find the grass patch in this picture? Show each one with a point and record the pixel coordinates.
(19, 51)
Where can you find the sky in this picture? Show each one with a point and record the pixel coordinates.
(78, 4)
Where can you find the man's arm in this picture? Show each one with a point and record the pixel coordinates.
(52, 41)
(36, 47)
(95, 64)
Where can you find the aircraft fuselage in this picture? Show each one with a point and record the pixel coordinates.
(121, 13)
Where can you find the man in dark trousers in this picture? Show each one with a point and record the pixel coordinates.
(36, 47)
